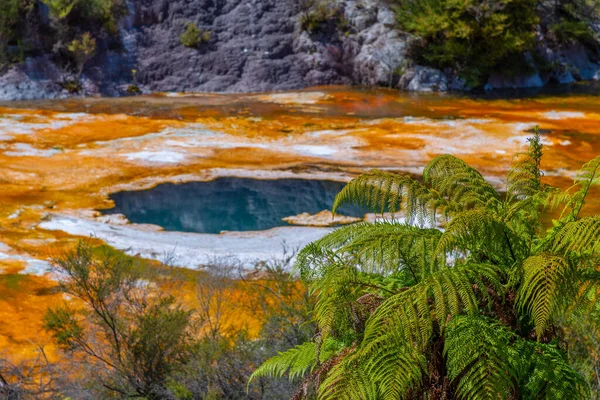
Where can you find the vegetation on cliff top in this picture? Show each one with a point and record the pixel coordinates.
(478, 38)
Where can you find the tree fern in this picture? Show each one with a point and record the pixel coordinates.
(458, 295)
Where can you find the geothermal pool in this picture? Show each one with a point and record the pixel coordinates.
(228, 204)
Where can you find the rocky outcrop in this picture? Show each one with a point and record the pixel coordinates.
(259, 45)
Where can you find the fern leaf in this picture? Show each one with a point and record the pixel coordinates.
(544, 373)
(476, 350)
(588, 176)
(382, 247)
(296, 361)
(395, 366)
(348, 381)
(446, 293)
(546, 279)
(385, 191)
(581, 236)
(524, 178)
(480, 232)
(456, 181)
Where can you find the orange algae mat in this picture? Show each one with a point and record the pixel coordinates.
(67, 156)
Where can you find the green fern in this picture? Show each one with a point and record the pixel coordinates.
(545, 284)
(469, 311)
(477, 350)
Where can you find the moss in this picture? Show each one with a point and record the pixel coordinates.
(12, 281)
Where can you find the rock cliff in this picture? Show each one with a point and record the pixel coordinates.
(259, 45)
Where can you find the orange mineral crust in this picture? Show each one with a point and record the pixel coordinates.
(60, 160)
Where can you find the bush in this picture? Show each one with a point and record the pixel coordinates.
(573, 31)
(472, 37)
(193, 36)
(82, 49)
(321, 14)
(67, 13)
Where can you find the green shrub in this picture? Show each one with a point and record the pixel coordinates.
(71, 85)
(82, 49)
(106, 13)
(193, 36)
(573, 31)
(472, 37)
(320, 14)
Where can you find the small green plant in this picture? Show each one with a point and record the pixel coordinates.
(103, 12)
(134, 89)
(82, 50)
(320, 14)
(193, 36)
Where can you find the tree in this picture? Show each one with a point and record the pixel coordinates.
(130, 339)
(408, 310)
(82, 49)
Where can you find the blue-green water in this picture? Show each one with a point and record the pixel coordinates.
(228, 204)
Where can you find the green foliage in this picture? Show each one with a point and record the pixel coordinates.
(193, 36)
(477, 352)
(106, 13)
(82, 49)
(136, 340)
(470, 311)
(573, 31)
(472, 37)
(319, 14)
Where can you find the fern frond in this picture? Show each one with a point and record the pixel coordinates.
(476, 350)
(478, 232)
(581, 236)
(547, 280)
(395, 366)
(544, 373)
(588, 176)
(459, 183)
(524, 177)
(381, 247)
(296, 361)
(385, 191)
(348, 381)
(446, 293)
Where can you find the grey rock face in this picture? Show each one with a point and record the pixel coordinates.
(424, 79)
(258, 45)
